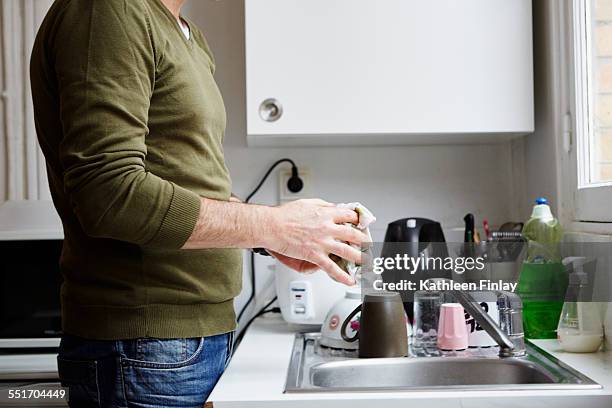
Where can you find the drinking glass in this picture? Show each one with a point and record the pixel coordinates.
(426, 313)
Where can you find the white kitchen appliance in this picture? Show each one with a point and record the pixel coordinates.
(331, 335)
(305, 299)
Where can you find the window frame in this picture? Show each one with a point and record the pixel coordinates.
(591, 202)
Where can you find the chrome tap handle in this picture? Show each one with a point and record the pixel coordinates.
(510, 309)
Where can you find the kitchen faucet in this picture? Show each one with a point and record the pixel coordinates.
(509, 333)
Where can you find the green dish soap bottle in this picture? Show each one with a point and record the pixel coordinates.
(543, 280)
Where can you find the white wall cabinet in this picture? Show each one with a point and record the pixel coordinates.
(350, 72)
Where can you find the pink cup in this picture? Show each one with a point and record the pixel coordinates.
(452, 330)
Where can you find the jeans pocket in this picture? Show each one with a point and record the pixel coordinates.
(81, 378)
(161, 353)
(165, 373)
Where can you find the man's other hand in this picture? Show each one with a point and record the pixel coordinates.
(306, 232)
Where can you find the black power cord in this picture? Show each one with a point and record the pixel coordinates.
(261, 312)
(252, 294)
(295, 185)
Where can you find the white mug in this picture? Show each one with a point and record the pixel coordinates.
(477, 337)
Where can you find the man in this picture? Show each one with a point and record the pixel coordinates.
(131, 124)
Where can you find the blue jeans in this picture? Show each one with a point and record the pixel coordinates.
(145, 372)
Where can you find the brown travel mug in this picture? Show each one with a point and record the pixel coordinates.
(382, 326)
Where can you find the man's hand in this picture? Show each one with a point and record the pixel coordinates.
(310, 230)
(298, 265)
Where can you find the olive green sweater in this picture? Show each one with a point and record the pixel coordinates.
(131, 123)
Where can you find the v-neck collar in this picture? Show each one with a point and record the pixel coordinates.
(177, 23)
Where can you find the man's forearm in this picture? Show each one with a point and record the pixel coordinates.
(224, 224)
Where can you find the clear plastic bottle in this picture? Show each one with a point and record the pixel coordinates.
(581, 326)
(543, 280)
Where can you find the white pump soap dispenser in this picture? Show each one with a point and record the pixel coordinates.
(580, 326)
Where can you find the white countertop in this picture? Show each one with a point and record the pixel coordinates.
(256, 377)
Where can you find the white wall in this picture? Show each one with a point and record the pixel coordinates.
(439, 182)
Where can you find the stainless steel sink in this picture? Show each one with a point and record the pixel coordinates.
(428, 372)
(317, 369)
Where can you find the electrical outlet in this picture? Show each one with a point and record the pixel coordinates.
(284, 194)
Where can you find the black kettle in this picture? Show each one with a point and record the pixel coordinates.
(414, 237)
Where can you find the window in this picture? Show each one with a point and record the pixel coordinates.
(592, 106)
(22, 166)
(599, 66)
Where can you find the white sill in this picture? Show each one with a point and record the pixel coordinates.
(598, 228)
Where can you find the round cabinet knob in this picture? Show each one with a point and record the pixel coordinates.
(270, 110)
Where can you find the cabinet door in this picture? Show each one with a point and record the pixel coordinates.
(389, 67)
